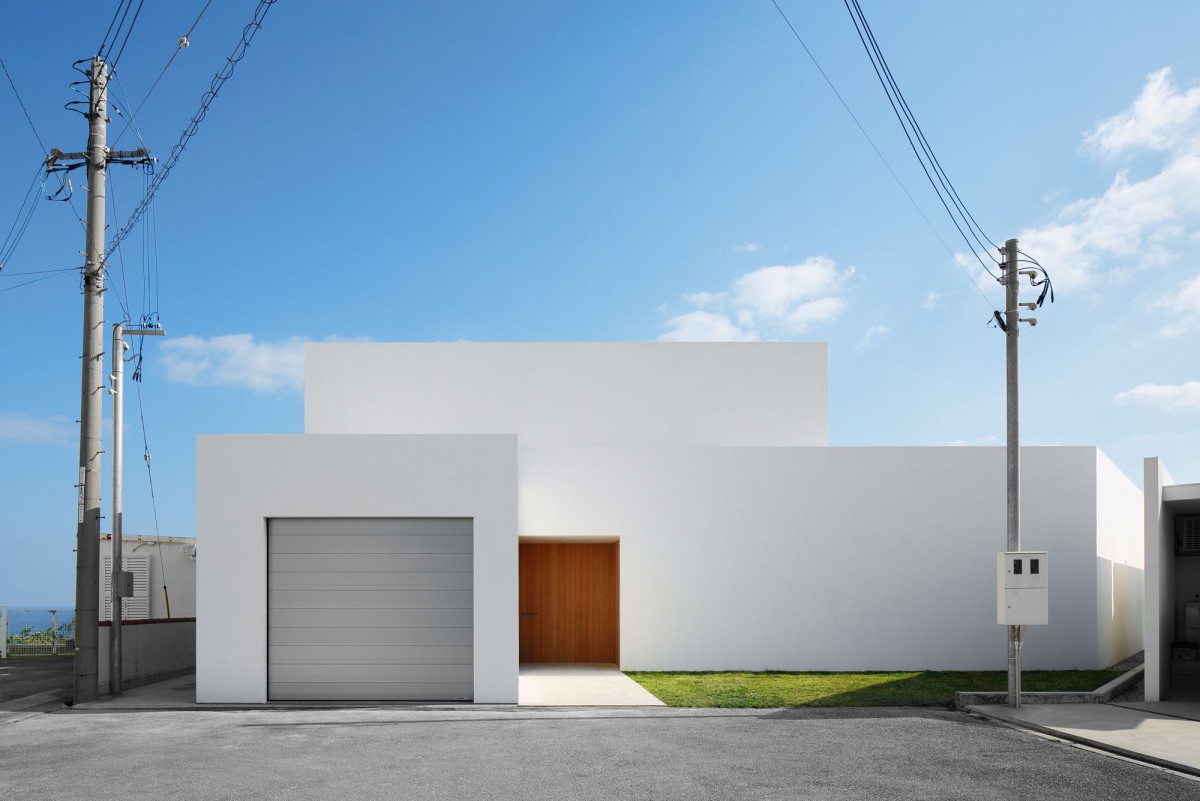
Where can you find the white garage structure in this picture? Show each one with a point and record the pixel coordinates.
(742, 540)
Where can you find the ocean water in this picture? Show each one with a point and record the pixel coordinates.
(36, 618)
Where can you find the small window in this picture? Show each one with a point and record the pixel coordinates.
(1017, 567)
(1034, 567)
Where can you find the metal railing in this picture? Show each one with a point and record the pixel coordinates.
(36, 632)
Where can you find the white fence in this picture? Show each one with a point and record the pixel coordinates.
(36, 632)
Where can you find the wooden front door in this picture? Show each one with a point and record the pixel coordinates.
(569, 601)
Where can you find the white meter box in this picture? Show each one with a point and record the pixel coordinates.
(1022, 588)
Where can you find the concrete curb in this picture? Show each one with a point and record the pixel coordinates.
(1099, 696)
(1136, 756)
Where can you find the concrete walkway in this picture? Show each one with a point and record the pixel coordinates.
(580, 685)
(1163, 734)
(539, 685)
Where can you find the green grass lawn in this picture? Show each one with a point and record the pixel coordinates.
(920, 688)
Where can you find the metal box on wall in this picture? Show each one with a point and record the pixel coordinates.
(1022, 588)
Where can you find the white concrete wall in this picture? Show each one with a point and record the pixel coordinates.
(242, 481)
(150, 651)
(591, 393)
(1120, 562)
(169, 566)
(1159, 589)
(824, 558)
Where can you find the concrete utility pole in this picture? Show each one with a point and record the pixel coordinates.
(1012, 321)
(87, 595)
(120, 581)
(87, 568)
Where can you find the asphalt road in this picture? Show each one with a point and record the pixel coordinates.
(536, 754)
(26, 675)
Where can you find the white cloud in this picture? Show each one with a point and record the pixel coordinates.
(1183, 302)
(705, 326)
(745, 247)
(53, 430)
(1161, 118)
(1136, 223)
(873, 333)
(237, 360)
(990, 439)
(1163, 396)
(772, 301)
(932, 299)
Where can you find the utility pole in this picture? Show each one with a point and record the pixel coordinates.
(87, 570)
(1012, 321)
(120, 581)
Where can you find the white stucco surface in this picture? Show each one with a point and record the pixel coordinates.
(242, 481)
(827, 558)
(1120, 563)
(1159, 610)
(555, 393)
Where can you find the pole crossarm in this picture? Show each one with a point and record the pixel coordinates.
(57, 159)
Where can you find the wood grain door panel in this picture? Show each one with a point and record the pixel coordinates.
(569, 601)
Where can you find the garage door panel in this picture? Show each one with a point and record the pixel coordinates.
(381, 673)
(372, 543)
(370, 691)
(370, 599)
(348, 580)
(316, 619)
(372, 562)
(371, 526)
(370, 654)
(372, 636)
(370, 609)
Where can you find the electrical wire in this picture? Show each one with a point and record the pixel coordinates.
(113, 62)
(21, 102)
(104, 42)
(124, 304)
(183, 42)
(224, 74)
(882, 158)
(986, 243)
(20, 225)
(43, 278)
(876, 63)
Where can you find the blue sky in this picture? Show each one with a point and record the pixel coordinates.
(612, 171)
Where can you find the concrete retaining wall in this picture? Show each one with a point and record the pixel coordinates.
(152, 650)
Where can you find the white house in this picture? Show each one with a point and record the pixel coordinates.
(453, 509)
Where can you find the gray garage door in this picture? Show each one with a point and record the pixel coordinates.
(369, 609)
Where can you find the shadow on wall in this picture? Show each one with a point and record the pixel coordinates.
(1119, 602)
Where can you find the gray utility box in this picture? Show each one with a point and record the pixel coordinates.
(1022, 588)
(124, 584)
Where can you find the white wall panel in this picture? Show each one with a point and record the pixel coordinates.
(573, 393)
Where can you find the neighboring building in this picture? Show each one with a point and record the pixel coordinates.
(455, 508)
(164, 577)
(1172, 605)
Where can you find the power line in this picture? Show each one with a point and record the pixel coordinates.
(126, 40)
(21, 102)
(893, 96)
(879, 153)
(112, 191)
(104, 41)
(183, 42)
(43, 278)
(20, 225)
(224, 74)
